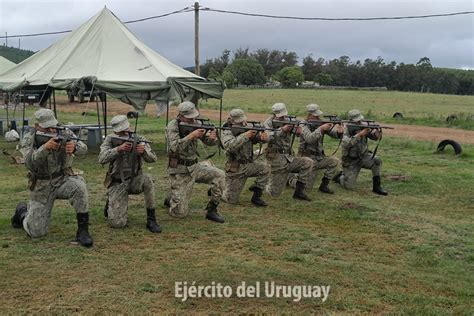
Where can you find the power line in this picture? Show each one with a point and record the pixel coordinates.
(187, 9)
(338, 19)
(190, 9)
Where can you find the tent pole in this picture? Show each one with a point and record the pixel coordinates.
(54, 103)
(23, 122)
(167, 111)
(105, 114)
(6, 108)
(49, 100)
(98, 112)
(220, 122)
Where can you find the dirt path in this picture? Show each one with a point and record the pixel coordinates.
(415, 132)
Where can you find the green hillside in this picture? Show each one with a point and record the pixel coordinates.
(15, 55)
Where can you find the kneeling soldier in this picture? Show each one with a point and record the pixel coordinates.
(280, 156)
(48, 151)
(184, 169)
(240, 161)
(311, 146)
(125, 175)
(356, 155)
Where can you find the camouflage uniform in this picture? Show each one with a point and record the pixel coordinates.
(356, 155)
(184, 169)
(241, 165)
(118, 181)
(282, 162)
(311, 146)
(51, 177)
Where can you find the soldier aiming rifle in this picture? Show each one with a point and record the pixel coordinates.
(238, 138)
(125, 151)
(356, 154)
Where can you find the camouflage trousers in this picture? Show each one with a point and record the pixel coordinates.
(351, 169)
(280, 168)
(42, 197)
(235, 181)
(182, 186)
(328, 164)
(117, 194)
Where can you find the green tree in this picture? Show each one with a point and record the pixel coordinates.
(324, 79)
(290, 77)
(247, 71)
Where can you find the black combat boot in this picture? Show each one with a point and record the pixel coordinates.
(299, 192)
(324, 187)
(106, 208)
(19, 216)
(167, 201)
(212, 214)
(82, 235)
(151, 223)
(257, 197)
(376, 186)
(337, 177)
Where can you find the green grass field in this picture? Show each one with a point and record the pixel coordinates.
(417, 108)
(411, 252)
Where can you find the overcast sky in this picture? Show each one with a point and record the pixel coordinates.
(447, 41)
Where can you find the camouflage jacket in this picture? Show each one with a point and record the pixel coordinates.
(311, 142)
(238, 148)
(121, 163)
(183, 148)
(355, 147)
(278, 140)
(43, 163)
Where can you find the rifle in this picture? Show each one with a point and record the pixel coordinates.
(119, 140)
(239, 129)
(290, 120)
(355, 128)
(200, 123)
(59, 137)
(333, 119)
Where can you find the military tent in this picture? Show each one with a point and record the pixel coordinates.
(5, 64)
(105, 54)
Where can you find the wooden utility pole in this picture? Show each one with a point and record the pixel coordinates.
(196, 38)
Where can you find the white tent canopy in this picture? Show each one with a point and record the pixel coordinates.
(104, 53)
(5, 64)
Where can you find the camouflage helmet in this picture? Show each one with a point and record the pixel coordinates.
(355, 115)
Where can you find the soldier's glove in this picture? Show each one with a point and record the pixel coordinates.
(51, 144)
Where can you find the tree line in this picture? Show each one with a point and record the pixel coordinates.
(262, 66)
(15, 55)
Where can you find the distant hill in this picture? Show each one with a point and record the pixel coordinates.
(15, 55)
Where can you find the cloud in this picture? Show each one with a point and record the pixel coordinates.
(447, 41)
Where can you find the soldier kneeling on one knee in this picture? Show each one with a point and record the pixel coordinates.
(185, 170)
(356, 155)
(125, 153)
(48, 150)
(240, 165)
